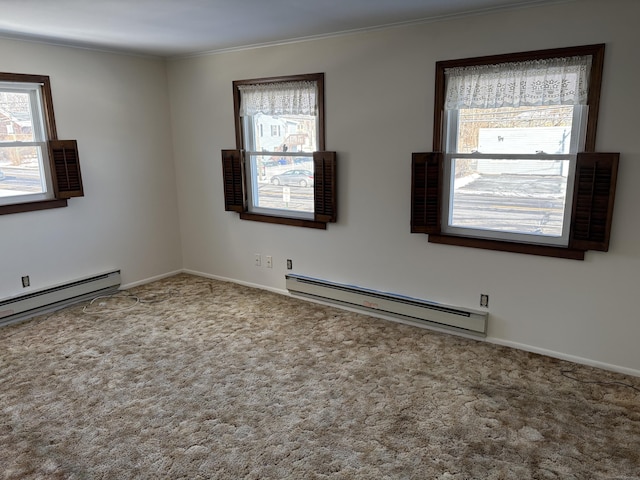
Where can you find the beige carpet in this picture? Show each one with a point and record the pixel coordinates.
(203, 379)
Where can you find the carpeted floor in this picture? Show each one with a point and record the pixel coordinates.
(194, 379)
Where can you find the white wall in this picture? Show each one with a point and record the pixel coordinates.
(379, 108)
(117, 108)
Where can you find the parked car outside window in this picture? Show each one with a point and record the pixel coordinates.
(303, 178)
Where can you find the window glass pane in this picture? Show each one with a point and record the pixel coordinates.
(21, 171)
(522, 130)
(515, 196)
(281, 179)
(510, 197)
(16, 123)
(282, 182)
(23, 162)
(281, 133)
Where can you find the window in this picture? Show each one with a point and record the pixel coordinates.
(514, 166)
(285, 177)
(37, 171)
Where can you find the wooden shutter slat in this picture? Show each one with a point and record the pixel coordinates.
(593, 197)
(325, 191)
(426, 190)
(65, 169)
(234, 181)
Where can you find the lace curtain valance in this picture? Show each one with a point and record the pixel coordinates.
(555, 81)
(282, 98)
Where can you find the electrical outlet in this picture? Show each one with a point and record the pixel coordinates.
(289, 264)
(258, 260)
(25, 281)
(484, 300)
(269, 261)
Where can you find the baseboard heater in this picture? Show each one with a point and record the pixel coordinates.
(410, 309)
(21, 307)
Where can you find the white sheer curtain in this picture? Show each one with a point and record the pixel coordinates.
(555, 81)
(282, 98)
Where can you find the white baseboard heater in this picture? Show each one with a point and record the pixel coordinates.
(414, 310)
(21, 307)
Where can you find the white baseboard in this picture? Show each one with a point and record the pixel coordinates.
(239, 282)
(150, 279)
(564, 356)
(496, 341)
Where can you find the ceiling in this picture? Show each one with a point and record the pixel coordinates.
(182, 27)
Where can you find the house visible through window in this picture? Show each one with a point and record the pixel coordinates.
(37, 171)
(285, 177)
(511, 131)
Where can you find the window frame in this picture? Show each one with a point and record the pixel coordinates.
(64, 167)
(429, 196)
(451, 125)
(236, 170)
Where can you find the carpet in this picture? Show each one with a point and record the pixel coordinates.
(192, 378)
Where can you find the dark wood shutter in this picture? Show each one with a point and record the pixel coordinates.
(325, 187)
(65, 169)
(426, 192)
(235, 199)
(594, 193)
